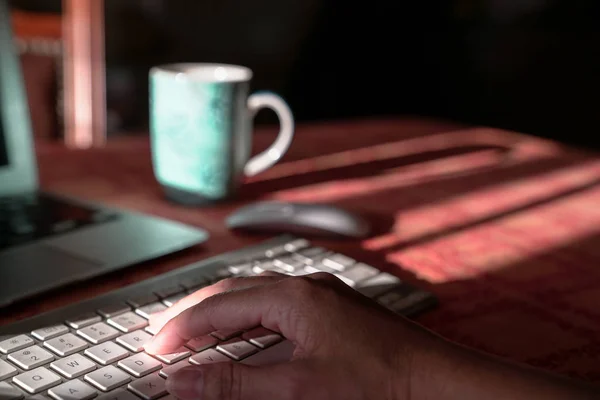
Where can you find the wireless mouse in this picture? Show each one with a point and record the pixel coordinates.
(298, 218)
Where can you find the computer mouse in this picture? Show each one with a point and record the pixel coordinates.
(298, 218)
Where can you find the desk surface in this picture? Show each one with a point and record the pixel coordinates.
(503, 227)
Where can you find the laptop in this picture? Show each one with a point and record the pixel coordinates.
(48, 241)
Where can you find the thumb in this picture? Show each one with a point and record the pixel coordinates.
(231, 381)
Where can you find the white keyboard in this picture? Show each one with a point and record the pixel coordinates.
(94, 349)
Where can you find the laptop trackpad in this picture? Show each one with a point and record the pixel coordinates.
(32, 269)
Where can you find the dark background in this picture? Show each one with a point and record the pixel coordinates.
(527, 65)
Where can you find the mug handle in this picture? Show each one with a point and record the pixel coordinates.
(269, 157)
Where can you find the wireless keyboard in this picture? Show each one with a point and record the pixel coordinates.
(94, 348)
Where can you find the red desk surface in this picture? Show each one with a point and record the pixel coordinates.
(503, 227)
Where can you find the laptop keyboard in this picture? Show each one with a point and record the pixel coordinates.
(36, 216)
(95, 348)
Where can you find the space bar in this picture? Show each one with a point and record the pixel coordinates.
(279, 353)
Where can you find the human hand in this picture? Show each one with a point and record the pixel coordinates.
(347, 346)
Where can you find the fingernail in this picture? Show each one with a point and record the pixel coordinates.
(186, 384)
(154, 344)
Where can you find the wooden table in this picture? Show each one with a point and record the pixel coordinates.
(503, 227)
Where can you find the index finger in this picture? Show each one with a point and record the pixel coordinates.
(237, 310)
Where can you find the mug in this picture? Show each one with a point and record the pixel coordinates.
(201, 130)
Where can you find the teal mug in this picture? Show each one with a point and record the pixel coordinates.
(201, 130)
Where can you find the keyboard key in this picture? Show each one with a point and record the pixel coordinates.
(83, 320)
(37, 380)
(296, 245)
(50, 332)
(169, 291)
(339, 262)
(140, 364)
(170, 301)
(9, 392)
(237, 348)
(128, 322)
(107, 378)
(153, 330)
(281, 352)
(208, 357)
(194, 283)
(319, 267)
(114, 310)
(378, 285)
(275, 251)
(408, 301)
(7, 370)
(106, 353)
(359, 272)
(171, 369)
(219, 275)
(310, 255)
(73, 390)
(66, 344)
(73, 366)
(225, 334)
(288, 264)
(390, 298)
(149, 388)
(152, 308)
(262, 266)
(262, 337)
(38, 397)
(118, 394)
(134, 341)
(241, 269)
(30, 357)
(142, 300)
(15, 343)
(202, 343)
(174, 357)
(98, 333)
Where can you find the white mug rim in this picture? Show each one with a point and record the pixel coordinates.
(237, 73)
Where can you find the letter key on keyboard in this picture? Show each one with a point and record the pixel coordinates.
(118, 394)
(106, 353)
(201, 343)
(37, 380)
(108, 378)
(149, 388)
(262, 337)
(237, 348)
(208, 357)
(174, 357)
(171, 369)
(140, 364)
(73, 390)
(134, 341)
(73, 366)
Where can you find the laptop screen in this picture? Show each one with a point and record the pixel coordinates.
(3, 152)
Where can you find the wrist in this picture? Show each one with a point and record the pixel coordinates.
(424, 365)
